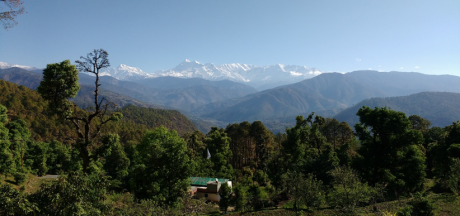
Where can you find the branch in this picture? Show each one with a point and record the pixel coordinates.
(76, 121)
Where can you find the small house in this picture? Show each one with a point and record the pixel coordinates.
(207, 187)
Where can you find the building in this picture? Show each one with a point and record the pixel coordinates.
(207, 187)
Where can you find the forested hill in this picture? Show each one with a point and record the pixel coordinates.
(85, 95)
(155, 117)
(441, 108)
(24, 103)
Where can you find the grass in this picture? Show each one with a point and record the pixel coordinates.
(447, 205)
(31, 185)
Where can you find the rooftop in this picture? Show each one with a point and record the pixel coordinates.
(203, 181)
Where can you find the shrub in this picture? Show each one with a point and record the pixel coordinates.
(20, 178)
(418, 206)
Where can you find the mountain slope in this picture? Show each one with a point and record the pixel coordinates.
(441, 108)
(84, 97)
(405, 83)
(24, 103)
(327, 91)
(187, 94)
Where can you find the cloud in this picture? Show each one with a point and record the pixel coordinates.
(370, 68)
(401, 68)
(417, 67)
(358, 59)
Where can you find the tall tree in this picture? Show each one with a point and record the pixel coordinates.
(60, 82)
(13, 9)
(219, 148)
(391, 153)
(162, 167)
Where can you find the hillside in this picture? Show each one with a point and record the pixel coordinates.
(84, 98)
(327, 91)
(28, 105)
(182, 94)
(441, 108)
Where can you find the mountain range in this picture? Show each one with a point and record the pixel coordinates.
(328, 91)
(220, 102)
(440, 108)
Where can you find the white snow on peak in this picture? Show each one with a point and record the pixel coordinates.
(245, 73)
(4, 65)
(125, 72)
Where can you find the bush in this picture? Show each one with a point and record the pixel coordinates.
(20, 178)
(418, 206)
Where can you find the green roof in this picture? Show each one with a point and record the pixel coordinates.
(204, 180)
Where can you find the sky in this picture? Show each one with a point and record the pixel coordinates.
(330, 35)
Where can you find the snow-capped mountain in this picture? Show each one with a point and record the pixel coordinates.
(125, 72)
(261, 77)
(4, 65)
(250, 74)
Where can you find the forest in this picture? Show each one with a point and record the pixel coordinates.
(110, 160)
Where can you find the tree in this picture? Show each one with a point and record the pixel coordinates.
(240, 198)
(306, 150)
(304, 191)
(76, 194)
(348, 190)
(14, 8)
(12, 202)
(60, 82)
(390, 153)
(115, 161)
(219, 147)
(419, 123)
(225, 195)
(7, 165)
(162, 167)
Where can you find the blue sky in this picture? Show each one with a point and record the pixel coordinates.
(331, 35)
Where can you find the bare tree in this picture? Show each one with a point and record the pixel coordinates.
(8, 15)
(87, 128)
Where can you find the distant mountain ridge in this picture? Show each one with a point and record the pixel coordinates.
(441, 108)
(328, 91)
(169, 92)
(4, 65)
(261, 77)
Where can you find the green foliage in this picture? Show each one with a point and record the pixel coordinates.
(225, 196)
(12, 202)
(162, 167)
(76, 194)
(152, 118)
(257, 197)
(37, 154)
(347, 189)
(7, 165)
(20, 178)
(306, 150)
(3, 114)
(114, 159)
(261, 178)
(59, 158)
(419, 206)
(305, 191)
(453, 180)
(60, 82)
(218, 144)
(391, 153)
(240, 198)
